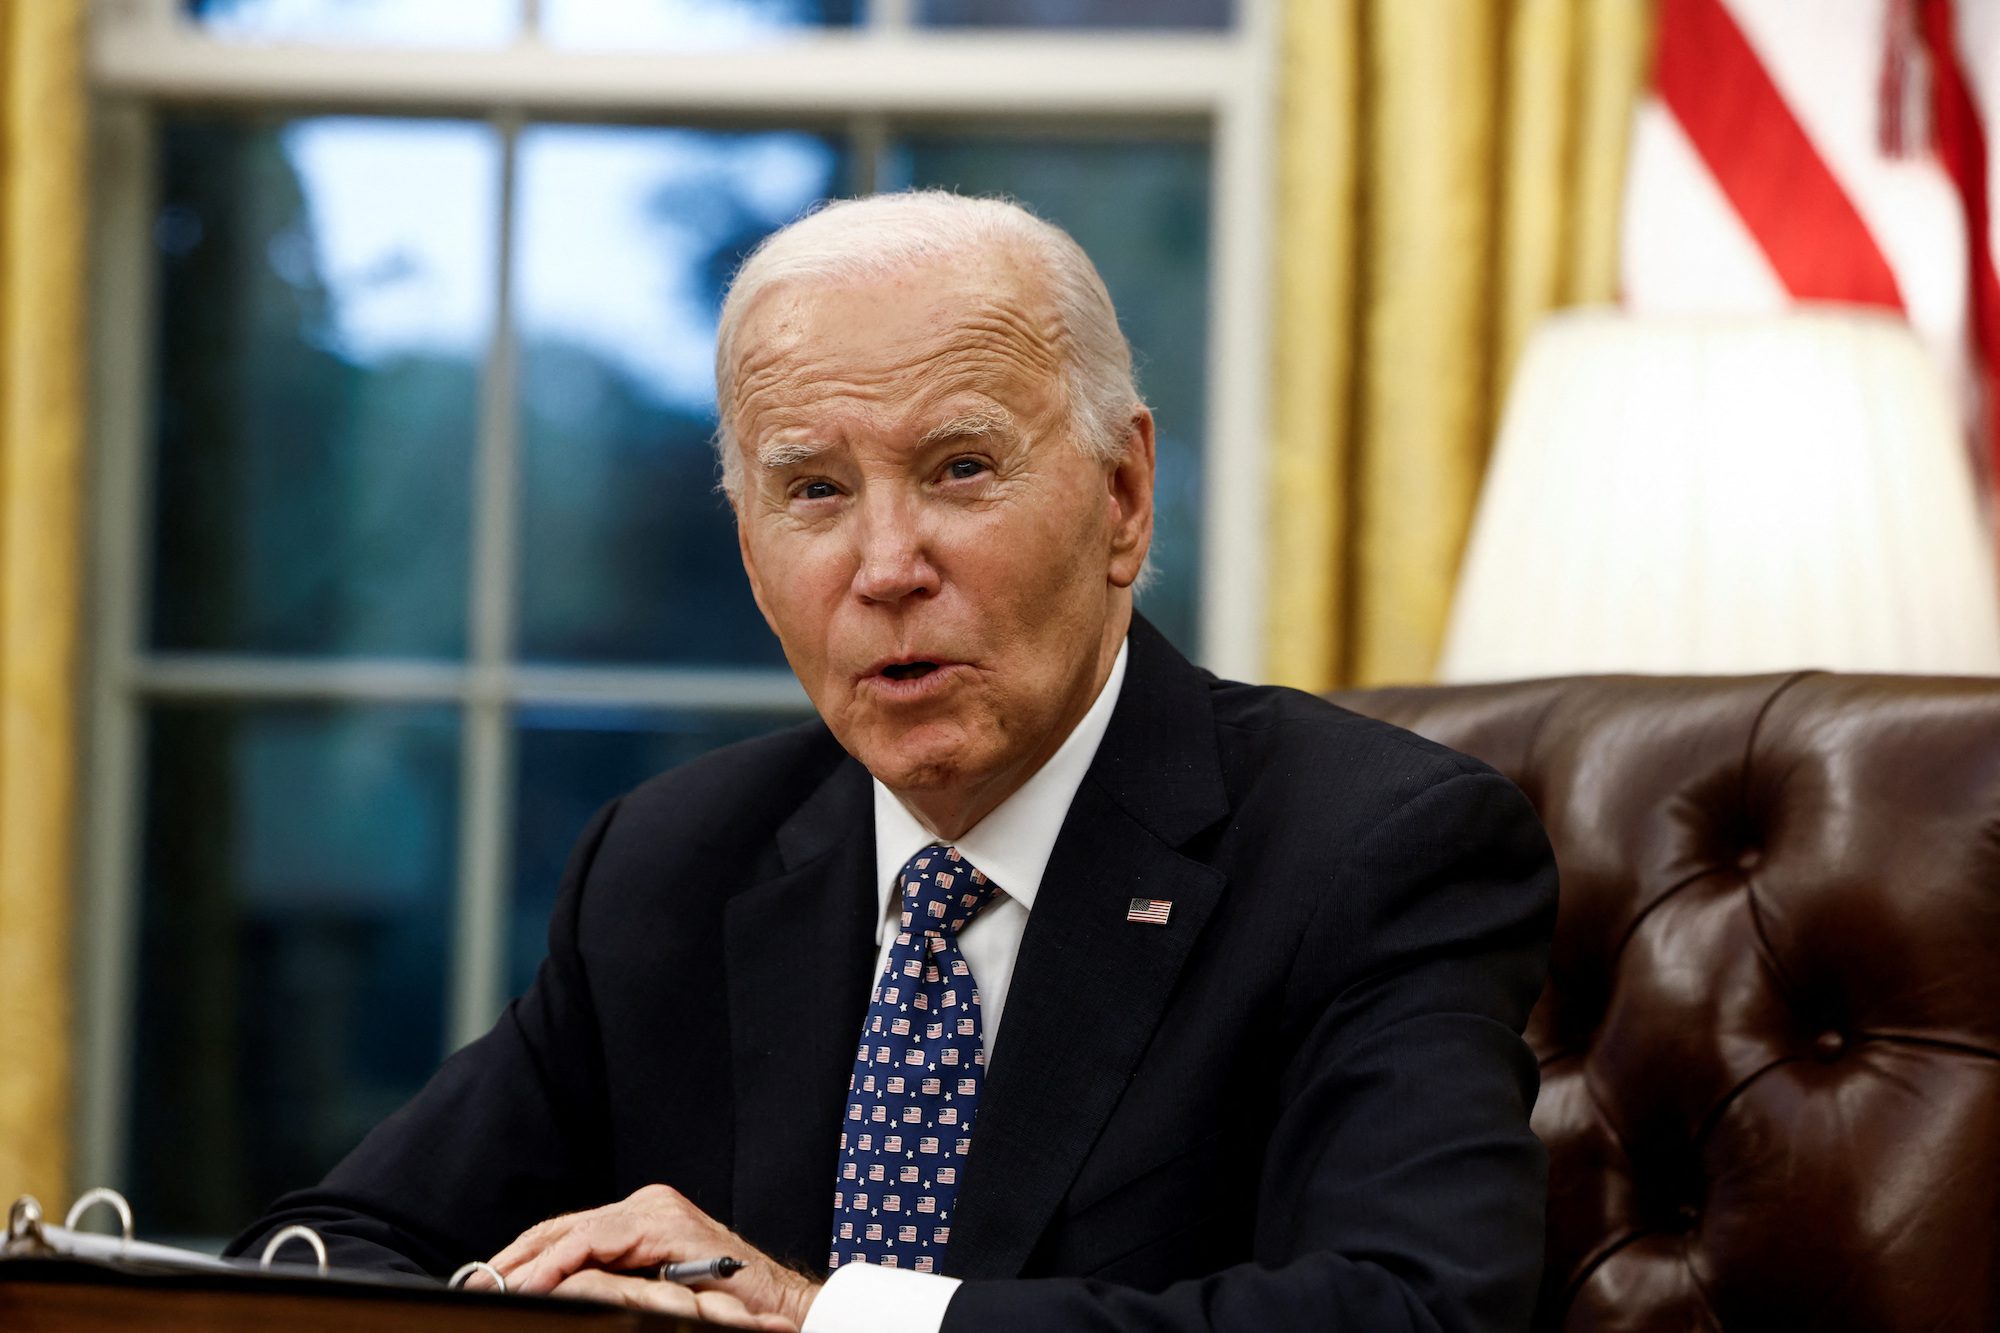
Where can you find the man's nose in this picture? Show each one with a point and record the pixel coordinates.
(894, 559)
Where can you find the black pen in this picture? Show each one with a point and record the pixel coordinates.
(699, 1270)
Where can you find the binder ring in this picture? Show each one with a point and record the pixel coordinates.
(90, 1199)
(24, 1220)
(466, 1270)
(306, 1234)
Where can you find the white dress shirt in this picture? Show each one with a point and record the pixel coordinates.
(1011, 847)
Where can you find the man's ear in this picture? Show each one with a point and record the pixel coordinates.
(1130, 496)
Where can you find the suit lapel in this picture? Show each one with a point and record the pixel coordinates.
(1089, 987)
(800, 949)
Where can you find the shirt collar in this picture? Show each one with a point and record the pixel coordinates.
(1012, 845)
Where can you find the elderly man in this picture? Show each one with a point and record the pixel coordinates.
(1046, 980)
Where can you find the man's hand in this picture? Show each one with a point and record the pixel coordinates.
(565, 1256)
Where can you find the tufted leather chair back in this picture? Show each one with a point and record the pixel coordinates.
(1770, 1040)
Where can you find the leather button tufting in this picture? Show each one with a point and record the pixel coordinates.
(1835, 834)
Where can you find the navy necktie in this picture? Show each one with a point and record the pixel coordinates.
(917, 1075)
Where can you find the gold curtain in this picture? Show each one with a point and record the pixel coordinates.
(1450, 171)
(41, 436)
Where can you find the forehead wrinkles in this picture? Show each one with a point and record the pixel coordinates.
(988, 348)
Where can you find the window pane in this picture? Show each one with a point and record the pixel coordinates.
(1140, 210)
(361, 22)
(1078, 13)
(614, 25)
(295, 917)
(624, 240)
(569, 762)
(325, 289)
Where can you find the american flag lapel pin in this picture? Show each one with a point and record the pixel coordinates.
(1152, 911)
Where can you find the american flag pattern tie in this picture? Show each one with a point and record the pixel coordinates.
(917, 1074)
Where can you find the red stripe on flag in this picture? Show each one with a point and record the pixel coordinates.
(1710, 78)
(1961, 146)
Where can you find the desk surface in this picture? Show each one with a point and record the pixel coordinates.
(56, 1295)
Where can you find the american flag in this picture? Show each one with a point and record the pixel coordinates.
(1152, 911)
(1839, 151)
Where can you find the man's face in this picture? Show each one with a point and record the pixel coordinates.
(948, 573)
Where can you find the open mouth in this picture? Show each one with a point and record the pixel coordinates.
(909, 670)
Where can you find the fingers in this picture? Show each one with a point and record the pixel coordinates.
(654, 1225)
(594, 1284)
(649, 1199)
(668, 1298)
(600, 1240)
(528, 1244)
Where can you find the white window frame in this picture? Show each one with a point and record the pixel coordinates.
(144, 54)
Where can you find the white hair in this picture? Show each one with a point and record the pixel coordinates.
(884, 234)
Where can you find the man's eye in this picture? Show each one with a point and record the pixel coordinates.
(960, 469)
(817, 490)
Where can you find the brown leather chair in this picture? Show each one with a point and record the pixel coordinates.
(1770, 1040)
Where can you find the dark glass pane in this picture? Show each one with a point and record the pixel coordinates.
(325, 297)
(680, 25)
(361, 22)
(1077, 13)
(625, 239)
(1140, 210)
(569, 762)
(294, 921)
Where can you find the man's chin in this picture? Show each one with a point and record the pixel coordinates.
(919, 762)
(914, 776)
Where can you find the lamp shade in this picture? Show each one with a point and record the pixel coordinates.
(1695, 495)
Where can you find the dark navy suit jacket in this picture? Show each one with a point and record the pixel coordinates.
(1301, 1104)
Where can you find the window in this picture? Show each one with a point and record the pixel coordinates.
(409, 552)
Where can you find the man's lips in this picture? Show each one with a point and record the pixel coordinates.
(907, 666)
(909, 677)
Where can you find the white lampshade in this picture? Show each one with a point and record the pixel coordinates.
(1726, 495)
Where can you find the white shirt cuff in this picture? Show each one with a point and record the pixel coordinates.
(866, 1298)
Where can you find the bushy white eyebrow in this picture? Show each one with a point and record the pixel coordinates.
(777, 457)
(987, 421)
(783, 454)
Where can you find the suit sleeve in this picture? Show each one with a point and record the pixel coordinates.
(1402, 1188)
(502, 1136)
